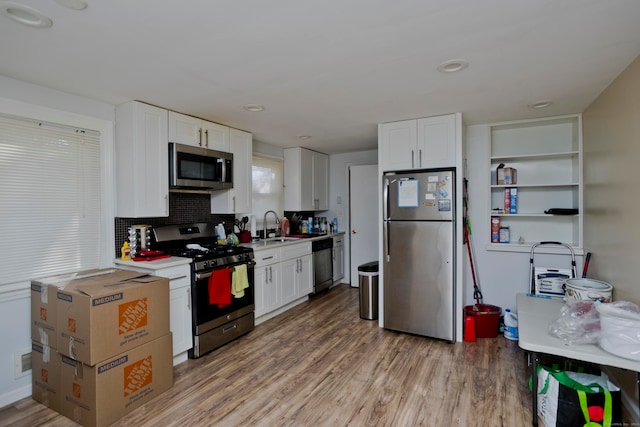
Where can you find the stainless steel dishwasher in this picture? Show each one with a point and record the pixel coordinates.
(322, 264)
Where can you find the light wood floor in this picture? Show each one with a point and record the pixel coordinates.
(319, 364)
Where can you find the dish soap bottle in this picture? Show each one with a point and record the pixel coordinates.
(126, 251)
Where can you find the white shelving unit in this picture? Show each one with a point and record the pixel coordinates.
(547, 154)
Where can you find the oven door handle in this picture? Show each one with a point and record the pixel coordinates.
(200, 276)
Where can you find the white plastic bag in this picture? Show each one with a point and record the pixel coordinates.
(579, 323)
(620, 329)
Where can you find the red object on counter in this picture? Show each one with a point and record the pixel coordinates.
(220, 287)
(150, 258)
(244, 236)
(150, 255)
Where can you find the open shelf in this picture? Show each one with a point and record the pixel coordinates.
(547, 156)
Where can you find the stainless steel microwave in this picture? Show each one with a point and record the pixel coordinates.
(201, 168)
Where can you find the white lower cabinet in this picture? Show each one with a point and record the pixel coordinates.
(283, 275)
(179, 299)
(338, 258)
(297, 280)
(266, 279)
(180, 319)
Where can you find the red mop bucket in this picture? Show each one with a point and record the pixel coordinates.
(486, 318)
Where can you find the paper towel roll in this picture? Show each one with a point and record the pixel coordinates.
(254, 229)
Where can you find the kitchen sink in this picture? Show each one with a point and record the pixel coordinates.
(272, 241)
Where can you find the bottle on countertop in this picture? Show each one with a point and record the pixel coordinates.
(335, 225)
(285, 227)
(126, 251)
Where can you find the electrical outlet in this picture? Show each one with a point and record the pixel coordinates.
(22, 363)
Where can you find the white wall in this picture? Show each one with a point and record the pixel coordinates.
(611, 231)
(25, 99)
(339, 194)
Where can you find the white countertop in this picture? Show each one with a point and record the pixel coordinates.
(535, 314)
(276, 242)
(156, 264)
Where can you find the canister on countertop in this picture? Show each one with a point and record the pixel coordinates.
(254, 229)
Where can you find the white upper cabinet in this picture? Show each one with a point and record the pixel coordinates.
(430, 142)
(142, 161)
(306, 180)
(189, 130)
(237, 199)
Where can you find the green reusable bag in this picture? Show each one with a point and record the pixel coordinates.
(568, 399)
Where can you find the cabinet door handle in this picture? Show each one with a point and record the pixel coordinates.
(189, 298)
(166, 204)
(206, 138)
(420, 158)
(270, 275)
(200, 137)
(234, 204)
(412, 159)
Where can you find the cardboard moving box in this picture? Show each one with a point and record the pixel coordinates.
(110, 311)
(44, 308)
(98, 395)
(45, 375)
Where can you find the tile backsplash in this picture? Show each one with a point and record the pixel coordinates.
(183, 208)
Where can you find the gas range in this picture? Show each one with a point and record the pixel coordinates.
(212, 254)
(198, 242)
(220, 312)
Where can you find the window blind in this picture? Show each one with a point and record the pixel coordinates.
(49, 199)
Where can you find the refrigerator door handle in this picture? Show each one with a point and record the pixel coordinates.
(385, 216)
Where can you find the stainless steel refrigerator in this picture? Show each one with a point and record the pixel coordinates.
(419, 252)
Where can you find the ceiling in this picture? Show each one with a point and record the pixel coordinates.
(328, 69)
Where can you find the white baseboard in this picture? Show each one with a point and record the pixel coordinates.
(15, 395)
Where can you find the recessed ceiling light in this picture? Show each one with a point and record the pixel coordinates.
(453, 66)
(24, 15)
(73, 4)
(253, 107)
(540, 104)
(304, 136)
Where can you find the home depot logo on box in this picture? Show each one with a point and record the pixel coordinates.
(138, 375)
(133, 315)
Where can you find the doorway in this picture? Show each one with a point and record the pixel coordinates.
(363, 217)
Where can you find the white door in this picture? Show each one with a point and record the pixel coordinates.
(363, 218)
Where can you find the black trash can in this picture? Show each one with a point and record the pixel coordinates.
(368, 284)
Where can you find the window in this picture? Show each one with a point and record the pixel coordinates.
(50, 202)
(267, 180)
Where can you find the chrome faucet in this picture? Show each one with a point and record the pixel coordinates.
(264, 224)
